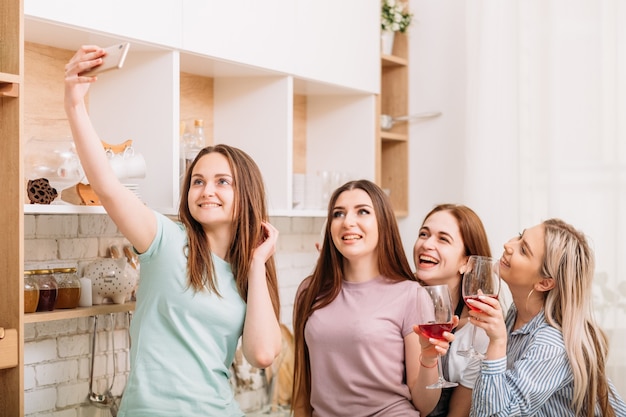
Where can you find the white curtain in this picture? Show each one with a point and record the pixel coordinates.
(547, 99)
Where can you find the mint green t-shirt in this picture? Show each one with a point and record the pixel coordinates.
(182, 342)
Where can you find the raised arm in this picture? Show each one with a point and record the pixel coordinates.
(132, 217)
(262, 339)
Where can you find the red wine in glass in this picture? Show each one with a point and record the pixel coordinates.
(436, 312)
(481, 278)
(435, 330)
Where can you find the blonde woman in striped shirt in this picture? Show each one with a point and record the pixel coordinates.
(548, 357)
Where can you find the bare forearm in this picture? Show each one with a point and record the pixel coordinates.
(423, 398)
(261, 333)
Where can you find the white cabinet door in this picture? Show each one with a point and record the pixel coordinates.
(258, 33)
(153, 21)
(338, 42)
(256, 115)
(141, 103)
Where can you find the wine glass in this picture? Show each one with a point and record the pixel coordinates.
(436, 314)
(481, 277)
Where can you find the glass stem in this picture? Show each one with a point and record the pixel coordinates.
(471, 348)
(440, 368)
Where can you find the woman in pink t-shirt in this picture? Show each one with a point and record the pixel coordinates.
(357, 351)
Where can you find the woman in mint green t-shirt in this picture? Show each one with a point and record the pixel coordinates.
(206, 280)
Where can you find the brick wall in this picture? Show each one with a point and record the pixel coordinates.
(57, 353)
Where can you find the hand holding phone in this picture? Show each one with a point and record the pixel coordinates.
(113, 59)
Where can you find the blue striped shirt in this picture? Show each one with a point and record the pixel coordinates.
(534, 379)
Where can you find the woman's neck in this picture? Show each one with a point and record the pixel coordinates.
(360, 269)
(528, 306)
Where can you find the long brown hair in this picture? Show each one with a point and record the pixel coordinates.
(324, 284)
(570, 262)
(475, 241)
(250, 210)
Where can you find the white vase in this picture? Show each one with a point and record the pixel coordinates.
(386, 42)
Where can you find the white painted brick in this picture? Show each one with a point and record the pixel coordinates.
(305, 260)
(101, 385)
(78, 248)
(283, 224)
(29, 332)
(122, 363)
(70, 412)
(40, 400)
(84, 324)
(56, 328)
(290, 243)
(84, 367)
(30, 226)
(121, 339)
(40, 351)
(56, 372)
(74, 345)
(105, 243)
(29, 378)
(319, 225)
(302, 225)
(118, 385)
(50, 225)
(40, 249)
(96, 225)
(72, 394)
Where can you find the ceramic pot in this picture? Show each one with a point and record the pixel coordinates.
(111, 279)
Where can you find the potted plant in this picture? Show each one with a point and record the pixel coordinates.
(395, 17)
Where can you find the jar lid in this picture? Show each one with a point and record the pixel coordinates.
(39, 271)
(64, 270)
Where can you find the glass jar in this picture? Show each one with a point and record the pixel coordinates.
(68, 284)
(31, 292)
(47, 289)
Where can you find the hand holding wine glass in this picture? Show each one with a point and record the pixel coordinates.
(436, 314)
(481, 278)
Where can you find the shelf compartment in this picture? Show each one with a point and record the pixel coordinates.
(394, 178)
(77, 312)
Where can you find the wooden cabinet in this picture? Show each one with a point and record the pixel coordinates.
(392, 164)
(11, 211)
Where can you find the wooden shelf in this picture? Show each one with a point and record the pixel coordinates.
(78, 312)
(400, 137)
(393, 61)
(392, 153)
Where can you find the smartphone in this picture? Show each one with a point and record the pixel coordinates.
(114, 59)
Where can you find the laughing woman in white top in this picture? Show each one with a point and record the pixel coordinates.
(450, 234)
(548, 358)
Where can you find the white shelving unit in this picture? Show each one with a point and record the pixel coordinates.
(252, 103)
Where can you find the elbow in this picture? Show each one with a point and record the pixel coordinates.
(261, 360)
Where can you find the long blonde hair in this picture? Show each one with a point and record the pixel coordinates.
(570, 262)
